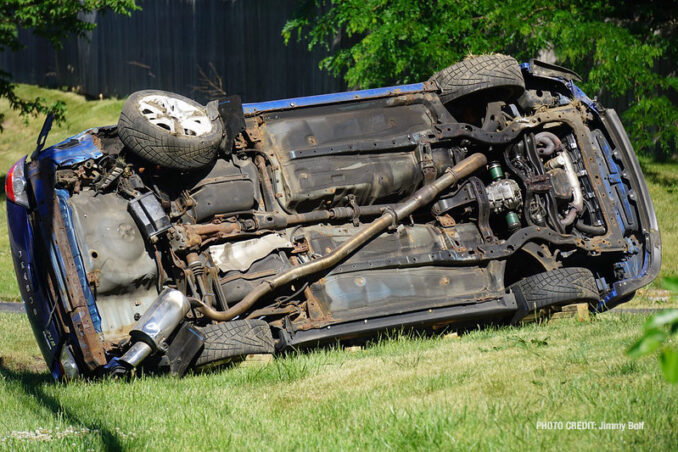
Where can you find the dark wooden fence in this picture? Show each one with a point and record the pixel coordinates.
(168, 43)
(165, 45)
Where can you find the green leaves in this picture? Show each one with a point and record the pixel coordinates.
(615, 46)
(653, 123)
(669, 362)
(664, 318)
(670, 283)
(658, 330)
(52, 19)
(647, 344)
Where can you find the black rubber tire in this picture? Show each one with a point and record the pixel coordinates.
(498, 76)
(160, 146)
(554, 288)
(233, 339)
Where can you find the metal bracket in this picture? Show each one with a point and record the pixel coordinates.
(356, 210)
(149, 215)
(471, 191)
(428, 168)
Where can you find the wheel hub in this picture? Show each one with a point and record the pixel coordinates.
(175, 115)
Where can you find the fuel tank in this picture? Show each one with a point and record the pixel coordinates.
(323, 154)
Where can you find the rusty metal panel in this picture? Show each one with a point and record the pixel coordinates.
(380, 292)
(90, 344)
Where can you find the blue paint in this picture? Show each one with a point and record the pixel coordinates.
(610, 193)
(31, 267)
(631, 265)
(579, 94)
(611, 295)
(114, 363)
(296, 102)
(73, 150)
(616, 180)
(63, 196)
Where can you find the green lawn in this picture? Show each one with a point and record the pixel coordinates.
(485, 390)
(662, 180)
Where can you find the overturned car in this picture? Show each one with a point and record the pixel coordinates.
(188, 235)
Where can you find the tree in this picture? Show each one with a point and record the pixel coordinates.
(659, 328)
(616, 47)
(54, 20)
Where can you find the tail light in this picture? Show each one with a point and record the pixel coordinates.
(15, 184)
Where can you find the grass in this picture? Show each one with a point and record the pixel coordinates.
(662, 180)
(484, 390)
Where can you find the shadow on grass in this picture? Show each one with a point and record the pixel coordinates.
(667, 180)
(32, 385)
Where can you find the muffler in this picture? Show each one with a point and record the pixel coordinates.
(151, 331)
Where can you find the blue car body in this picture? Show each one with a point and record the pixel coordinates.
(37, 255)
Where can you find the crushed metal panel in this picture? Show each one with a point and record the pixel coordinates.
(117, 262)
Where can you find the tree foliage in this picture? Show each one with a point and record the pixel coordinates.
(616, 46)
(54, 20)
(657, 334)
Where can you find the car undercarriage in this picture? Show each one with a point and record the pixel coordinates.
(335, 217)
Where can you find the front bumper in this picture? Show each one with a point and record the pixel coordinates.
(651, 265)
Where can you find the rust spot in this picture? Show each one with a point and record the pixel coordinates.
(90, 344)
(97, 141)
(93, 278)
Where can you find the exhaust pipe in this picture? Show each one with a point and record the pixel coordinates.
(156, 325)
(577, 205)
(420, 198)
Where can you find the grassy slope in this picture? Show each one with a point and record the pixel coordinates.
(485, 390)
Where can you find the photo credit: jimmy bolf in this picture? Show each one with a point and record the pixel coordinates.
(589, 425)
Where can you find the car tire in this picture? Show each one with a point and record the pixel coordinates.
(554, 288)
(236, 338)
(170, 130)
(497, 76)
